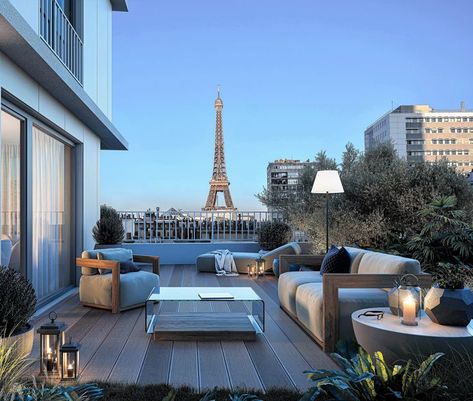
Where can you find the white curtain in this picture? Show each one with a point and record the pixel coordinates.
(10, 185)
(48, 212)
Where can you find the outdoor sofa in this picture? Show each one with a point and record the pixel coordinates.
(243, 260)
(103, 286)
(322, 304)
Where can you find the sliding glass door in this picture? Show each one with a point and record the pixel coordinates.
(52, 231)
(10, 190)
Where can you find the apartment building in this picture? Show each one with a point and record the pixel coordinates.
(283, 176)
(422, 133)
(56, 111)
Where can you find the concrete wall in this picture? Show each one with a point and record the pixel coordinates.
(29, 9)
(15, 81)
(186, 253)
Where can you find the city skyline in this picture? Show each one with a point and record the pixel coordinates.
(291, 82)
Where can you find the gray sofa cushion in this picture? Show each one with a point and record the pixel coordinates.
(288, 283)
(355, 255)
(382, 263)
(309, 307)
(134, 288)
(206, 262)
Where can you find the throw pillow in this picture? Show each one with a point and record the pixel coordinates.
(129, 267)
(118, 254)
(337, 260)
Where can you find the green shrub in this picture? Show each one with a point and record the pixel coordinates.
(17, 301)
(273, 234)
(363, 378)
(109, 229)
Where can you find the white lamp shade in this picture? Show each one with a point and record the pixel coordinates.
(327, 182)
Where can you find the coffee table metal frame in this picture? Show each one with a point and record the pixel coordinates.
(191, 294)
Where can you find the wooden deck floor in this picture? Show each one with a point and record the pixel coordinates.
(116, 348)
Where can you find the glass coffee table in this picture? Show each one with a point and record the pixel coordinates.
(244, 319)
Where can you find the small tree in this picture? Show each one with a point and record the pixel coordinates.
(109, 229)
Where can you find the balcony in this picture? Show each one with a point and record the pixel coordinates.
(59, 34)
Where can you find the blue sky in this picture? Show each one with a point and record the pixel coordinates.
(297, 77)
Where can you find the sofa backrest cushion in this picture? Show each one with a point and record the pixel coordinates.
(291, 248)
(117, 254)
(355, 255)
(88, 271)
(382, 263)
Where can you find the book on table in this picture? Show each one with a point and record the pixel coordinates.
(215, 295)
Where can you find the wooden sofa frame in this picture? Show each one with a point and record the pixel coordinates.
(331, 283)
(115, 267)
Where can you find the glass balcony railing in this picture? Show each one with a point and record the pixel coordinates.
(59, 34)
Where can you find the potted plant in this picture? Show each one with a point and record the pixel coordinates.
(108, 232)
(449, 302)
(17, 305)
(273, 234)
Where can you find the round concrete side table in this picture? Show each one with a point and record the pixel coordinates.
(397, 341)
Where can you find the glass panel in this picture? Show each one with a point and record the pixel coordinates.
(52, 211)
(10, 157)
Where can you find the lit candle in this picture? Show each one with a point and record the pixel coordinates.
(409, 311)
(49, 360)
(70, 370)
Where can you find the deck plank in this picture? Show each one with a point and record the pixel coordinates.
(184, 367)
(213, 371)
(157, 363)
(104, 359)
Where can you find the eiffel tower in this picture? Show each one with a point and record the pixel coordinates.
(219, 181)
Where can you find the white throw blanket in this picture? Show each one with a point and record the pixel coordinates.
(224, 263)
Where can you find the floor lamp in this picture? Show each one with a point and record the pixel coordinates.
(327, 182)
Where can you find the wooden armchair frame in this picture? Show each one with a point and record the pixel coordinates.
(332, 282)
(114, 266)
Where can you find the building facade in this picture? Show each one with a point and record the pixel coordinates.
(421, 133)
(283, 176)
(56, 110)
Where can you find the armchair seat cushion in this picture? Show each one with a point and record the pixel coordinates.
(309, 307)
(134, 288)
(288, 283)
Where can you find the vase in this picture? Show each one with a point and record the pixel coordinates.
(23, 339)
(449, 307)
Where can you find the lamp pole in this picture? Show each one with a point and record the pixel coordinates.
(326, 221)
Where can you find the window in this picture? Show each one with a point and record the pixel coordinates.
(434, 141)
(427, 119)
(465, 118)
(452, 130)
(439, 119)
(427, 130)
(52, 245)
(470, 130)
(471, 141)
(434, 120)
(470, 119)
(459, 130)
(458, 119)
(440, 130)
(10, 190)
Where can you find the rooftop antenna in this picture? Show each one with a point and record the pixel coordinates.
(218, 90)
(392, 105)
(462, 106)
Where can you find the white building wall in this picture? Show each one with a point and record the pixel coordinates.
(97, 47)
(98, 53)
(15, 81)
(29, 9)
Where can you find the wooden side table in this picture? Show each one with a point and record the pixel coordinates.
(397, 341)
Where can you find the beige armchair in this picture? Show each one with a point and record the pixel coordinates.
(114, 291)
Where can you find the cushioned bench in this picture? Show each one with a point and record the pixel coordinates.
(206, 262)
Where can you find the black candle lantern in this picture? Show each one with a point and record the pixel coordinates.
(70, 361)
(50, 341)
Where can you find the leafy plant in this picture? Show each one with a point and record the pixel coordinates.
(273, 234)
(109, 229)
(364, 378)
(451, 276)
(17, 301)
(13, 367)
(42, 392)
(446, 236)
